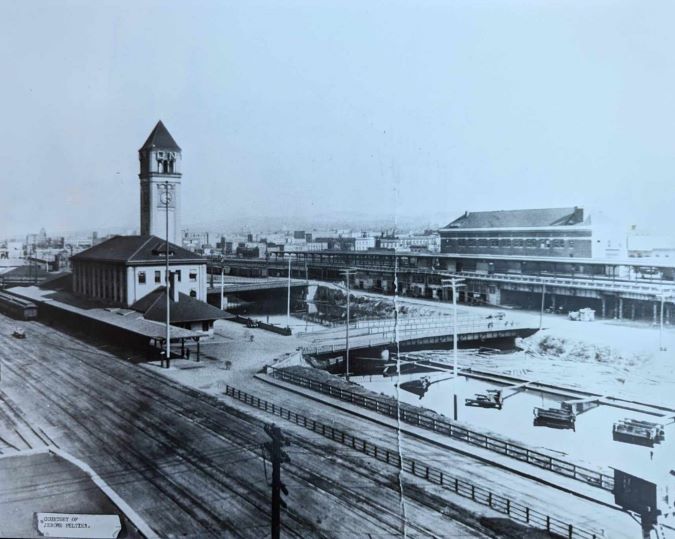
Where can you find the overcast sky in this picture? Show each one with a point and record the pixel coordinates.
(287, 108)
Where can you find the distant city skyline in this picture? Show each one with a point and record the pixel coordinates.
(301, 111)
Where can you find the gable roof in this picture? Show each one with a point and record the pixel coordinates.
(520, 218)
(187, 309)
(137, 250)
(160, 138)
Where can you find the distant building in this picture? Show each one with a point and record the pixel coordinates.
(364, 243)
(123, 269)
(414, 243)
(542, 232)
(548, 232)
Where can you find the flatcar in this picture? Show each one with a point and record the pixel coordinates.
(18, 308)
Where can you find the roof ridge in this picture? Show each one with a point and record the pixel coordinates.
(159, 296)
(141, 247)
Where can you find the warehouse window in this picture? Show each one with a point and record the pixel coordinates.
(158, 276)
(177, 276)
(193, 275)
(141, 277)
(494, 243)
(517, 243)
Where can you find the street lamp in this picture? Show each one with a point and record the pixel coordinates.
(347, 273)
(454, 282)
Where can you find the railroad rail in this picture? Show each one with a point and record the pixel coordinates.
(515, 511)
(519, 452)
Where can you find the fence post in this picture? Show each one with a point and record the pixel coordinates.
(527, 514)
(473, 492)
(508, 506)
(548, 523)
(571, 532)
(490, 499)
(456, 485)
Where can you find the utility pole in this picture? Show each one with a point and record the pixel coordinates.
(167, 201)
(662, 347)
(454, 283)
(278, 457)
(222, 287)
(288, 299)
(347, 273)
(541, 312)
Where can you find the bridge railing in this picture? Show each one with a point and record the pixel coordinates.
(510, 449)
(516, 511)
(385, 335)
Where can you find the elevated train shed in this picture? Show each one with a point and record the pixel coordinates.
(629, 288)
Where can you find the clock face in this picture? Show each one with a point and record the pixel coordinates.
(166, 197)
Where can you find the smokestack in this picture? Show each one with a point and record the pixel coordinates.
(173, 289)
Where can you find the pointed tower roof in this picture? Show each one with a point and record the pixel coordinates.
(160, 138)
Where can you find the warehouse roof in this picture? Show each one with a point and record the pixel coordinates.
(137, 250)
(520, 218)
(160, 138)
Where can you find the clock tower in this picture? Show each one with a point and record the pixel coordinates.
(160, 160)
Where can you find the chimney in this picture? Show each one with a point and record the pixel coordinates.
(173, 289)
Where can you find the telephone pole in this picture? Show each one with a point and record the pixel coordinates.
(167, 201)
(278, 456)
(288, 297)
(454, 282)
(347, 273)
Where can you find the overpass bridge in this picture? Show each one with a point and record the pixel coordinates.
(414, 333)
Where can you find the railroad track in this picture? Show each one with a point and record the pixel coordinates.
(113, 380)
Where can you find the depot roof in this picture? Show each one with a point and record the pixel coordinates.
(186, 309)
(137, 250)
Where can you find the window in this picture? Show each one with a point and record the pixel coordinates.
(570, 243)
(193, 293)
(158, 276)
(178, 276)
(517, 243)
(530, 243)
(141, 277)
(558, 243)
(482, 243)
(462, 242)
(505, 243)
(471, 243)
(494, 243)
(193, 275)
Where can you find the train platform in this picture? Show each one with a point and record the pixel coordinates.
(62, 307)
(565, 484)
(49, 493)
